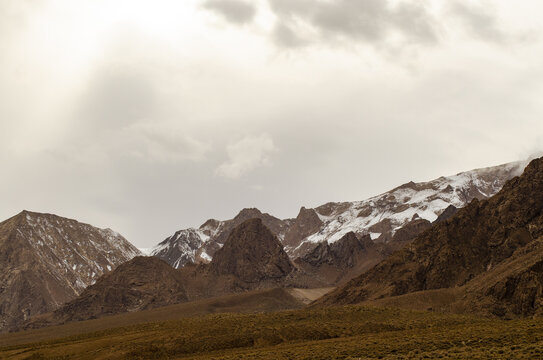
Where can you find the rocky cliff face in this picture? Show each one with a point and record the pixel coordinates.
(408, 232)
(47, 260)
(335, 263)
(381, 216)
(306, 223)
(471, 244)
(512, 288)
(446, 214)
(343, 253)
(252, 253)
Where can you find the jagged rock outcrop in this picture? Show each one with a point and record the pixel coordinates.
(446, 214)
(306, 223)
(469, 245)
(335, 263)
(346, 250)
(47, 260)
(252, 253)
(343, 253)
(409, 231)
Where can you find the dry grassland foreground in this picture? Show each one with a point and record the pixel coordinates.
(347, 332)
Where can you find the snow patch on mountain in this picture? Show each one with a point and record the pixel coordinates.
(379, 216)
(427, 200)
(146, 251)
(54, 237)
(182, 246)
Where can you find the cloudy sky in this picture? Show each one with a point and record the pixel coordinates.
(148, 116)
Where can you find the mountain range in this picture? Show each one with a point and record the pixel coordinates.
(487, 258)
(380, 217)
(73, 271)
(251, 258)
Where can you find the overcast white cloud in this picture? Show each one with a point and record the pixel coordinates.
(247, 154)
(150, 116)
(163, 143)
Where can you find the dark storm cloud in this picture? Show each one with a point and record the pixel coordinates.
(235, 11)
(368, 21)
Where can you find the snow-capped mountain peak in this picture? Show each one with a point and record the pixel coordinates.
(183, 246)
(379, 216)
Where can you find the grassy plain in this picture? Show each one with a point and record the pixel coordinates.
(349, 332)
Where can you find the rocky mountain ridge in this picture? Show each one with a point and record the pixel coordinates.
(490, 250)
(460, 245)
(48, 260)
(381, 216)
(252, 258)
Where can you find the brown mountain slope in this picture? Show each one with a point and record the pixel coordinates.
(252, 258)
(453, 252)
(268, 300)
(514, 288)
(47, 260)
(141, 283)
